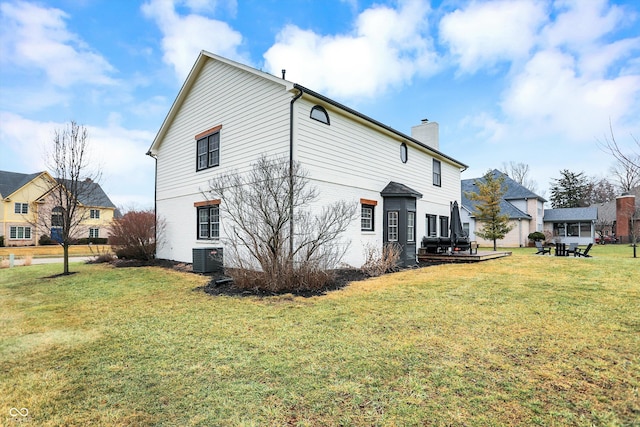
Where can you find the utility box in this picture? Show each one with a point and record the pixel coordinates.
(208, 260)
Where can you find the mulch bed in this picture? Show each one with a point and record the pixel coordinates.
(221, 284)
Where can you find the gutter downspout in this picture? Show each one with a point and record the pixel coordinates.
(291, 227)
(155, 198)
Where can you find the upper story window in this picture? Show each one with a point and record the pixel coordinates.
(94, 233)
(208, 148)
(437, 177)
(403, 153)
(21, 208)
(95, 213)
(320, 114)
(56, 217)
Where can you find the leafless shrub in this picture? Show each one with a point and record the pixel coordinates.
(100, 254)
(275, 240)
(136, 234)
(379, 261)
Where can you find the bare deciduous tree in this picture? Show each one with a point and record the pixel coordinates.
(63, 209)
(519, 172)
(627, 166)
(261, 207)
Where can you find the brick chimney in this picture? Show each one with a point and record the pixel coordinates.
(625, 205)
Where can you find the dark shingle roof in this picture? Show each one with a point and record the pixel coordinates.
(514, 191)
(571, 214)
(397, 189)
(10, 182)
(90, 194)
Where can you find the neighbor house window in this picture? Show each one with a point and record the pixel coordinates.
(17, 232)
(95, 213)
(444, 226)
(94, 232)
(320, 114)
(366, 217)
(21, 208)
(56, 217)
(209, 222)
(432, 224)
(411, 226)
(392, 226)
(437, 181)
(403, 153)
(208, 148)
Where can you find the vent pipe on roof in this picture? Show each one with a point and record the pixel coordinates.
(283, 73)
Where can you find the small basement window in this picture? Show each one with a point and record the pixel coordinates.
(320, 114)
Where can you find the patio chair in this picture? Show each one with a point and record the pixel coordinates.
(541, 249)
(572, 249)
(579, 252)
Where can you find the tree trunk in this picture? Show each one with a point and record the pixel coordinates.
(65, 249)
(495, 245)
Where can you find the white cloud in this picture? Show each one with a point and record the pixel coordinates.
(386, 49)
(37, 37)
(486, 33)
(580, 23)
(185, 36)
(549, 93)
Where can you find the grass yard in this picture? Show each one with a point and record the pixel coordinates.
(523, 340)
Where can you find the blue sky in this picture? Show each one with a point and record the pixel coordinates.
(531, 81)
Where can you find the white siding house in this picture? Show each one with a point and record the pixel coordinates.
(234, 114)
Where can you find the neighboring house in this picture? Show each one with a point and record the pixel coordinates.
(615, 212)
(571, 225)
(524, 208)
(26, 196)
(227, 115)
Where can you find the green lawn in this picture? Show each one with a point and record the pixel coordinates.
(523, 340)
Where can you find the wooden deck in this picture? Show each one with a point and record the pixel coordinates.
(462, 257)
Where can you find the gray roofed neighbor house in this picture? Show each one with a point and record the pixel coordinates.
(571, 214)
(397, 189)
(12, 181)
(514, 191)
(91, 193)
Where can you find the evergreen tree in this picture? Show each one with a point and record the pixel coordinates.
(487, 209)
(571, 190)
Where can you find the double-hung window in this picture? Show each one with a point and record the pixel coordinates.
(21, 208)
(94, 233)
(95, 213)
(411, 226)
(437, 173)
(392, 226)
(367, 214)
(18, 232)
(209, 222)
(208, 148)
